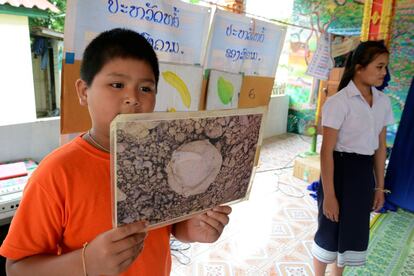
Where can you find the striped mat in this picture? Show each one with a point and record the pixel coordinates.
(391, 247)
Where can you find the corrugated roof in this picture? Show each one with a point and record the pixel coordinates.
(40, 4)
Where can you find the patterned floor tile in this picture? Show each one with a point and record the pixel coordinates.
(308, 245)
(280, 229)
(298, 214)
(214, 269)
(294, 269)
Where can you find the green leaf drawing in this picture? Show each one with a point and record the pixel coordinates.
(225, 90)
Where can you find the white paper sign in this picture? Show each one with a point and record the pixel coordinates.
(175, 29)
(321, 62)
(243, 44)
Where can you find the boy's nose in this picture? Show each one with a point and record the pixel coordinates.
(131, 101)
(131, 98)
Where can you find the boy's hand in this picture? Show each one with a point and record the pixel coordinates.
(112, 252)
(206, 227)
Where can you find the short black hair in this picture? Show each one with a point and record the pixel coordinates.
(116, 43)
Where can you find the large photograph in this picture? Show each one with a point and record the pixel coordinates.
(169, 166)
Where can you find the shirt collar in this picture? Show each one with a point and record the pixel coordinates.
(352, 91)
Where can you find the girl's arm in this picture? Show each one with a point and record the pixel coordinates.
(330, 204)
(379, 170)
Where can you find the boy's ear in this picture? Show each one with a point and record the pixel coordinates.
(81, 90)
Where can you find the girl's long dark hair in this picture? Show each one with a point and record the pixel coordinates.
(363, 55)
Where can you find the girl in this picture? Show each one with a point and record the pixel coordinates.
(352, 160)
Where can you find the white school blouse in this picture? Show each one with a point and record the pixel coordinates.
(359, 124)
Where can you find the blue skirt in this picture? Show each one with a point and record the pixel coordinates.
(346, 241)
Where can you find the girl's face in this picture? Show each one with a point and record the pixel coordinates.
(124, 85)
(373, 74)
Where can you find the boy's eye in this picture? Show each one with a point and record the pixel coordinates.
(147, 89)
(117, 85)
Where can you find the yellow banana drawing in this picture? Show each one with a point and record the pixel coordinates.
(175, 81)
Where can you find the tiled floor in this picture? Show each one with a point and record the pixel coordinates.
(269, 234)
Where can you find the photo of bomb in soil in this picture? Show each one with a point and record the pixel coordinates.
(168, 169)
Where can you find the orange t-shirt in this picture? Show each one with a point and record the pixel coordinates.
(66, 202)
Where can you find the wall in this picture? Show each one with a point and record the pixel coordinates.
(32, 140)
(276, 121)
(17, 99)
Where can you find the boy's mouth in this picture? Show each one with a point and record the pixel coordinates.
(129, 111)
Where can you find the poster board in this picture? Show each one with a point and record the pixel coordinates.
(236, 43)
(202, 105)
(171, 166)
(74, 117)
(175, 29)
(255, 91)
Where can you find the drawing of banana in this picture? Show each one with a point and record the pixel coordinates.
(175, 81)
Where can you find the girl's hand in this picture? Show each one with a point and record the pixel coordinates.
(112, 252)
(378, 200)
(331, 208)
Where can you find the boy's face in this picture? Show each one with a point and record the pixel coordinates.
(124, 85)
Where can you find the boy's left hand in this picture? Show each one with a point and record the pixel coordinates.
(206, 227)
(378, 201)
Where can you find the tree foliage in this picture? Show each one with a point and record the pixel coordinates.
(54, 21)
(321, 14)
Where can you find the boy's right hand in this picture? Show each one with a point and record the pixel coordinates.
(112, 252)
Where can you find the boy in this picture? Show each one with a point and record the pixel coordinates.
(63, 224)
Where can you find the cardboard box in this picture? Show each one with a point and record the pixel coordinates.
(307, 168)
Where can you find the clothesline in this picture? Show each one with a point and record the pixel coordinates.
(259, 16)
(279, 21)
